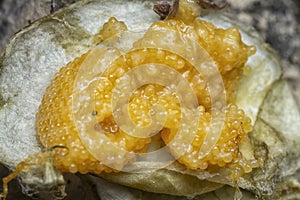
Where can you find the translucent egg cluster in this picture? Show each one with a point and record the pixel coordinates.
(225, 151)
(55, 119)
(227, 50)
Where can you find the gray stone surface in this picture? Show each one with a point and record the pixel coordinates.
(15, 14)
(278, 21)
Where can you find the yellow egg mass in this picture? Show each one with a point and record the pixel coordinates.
(55, 118)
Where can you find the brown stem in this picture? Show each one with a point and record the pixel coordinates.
(205, 4)
(165, 10)
(162, 9)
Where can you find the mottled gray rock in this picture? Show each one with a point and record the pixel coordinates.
(278, 21)
(14, 15)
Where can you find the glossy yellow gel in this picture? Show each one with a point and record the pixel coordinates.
(55, 122)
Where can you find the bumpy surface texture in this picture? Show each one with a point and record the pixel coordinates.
(56, 122)
(276, 25)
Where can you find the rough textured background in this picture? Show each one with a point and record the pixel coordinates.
(14, 15)
(278, 21)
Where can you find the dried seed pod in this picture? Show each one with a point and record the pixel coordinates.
(63, 44)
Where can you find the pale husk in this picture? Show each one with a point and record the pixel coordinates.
(37, 52)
